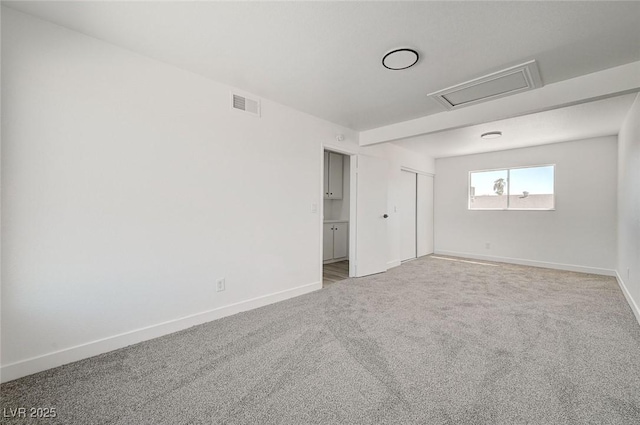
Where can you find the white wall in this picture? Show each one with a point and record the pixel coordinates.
(628, 265)
(130, 186)
(579, 235)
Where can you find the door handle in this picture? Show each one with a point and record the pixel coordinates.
(385, 216)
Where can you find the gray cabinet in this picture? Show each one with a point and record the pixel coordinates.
(335, 241)
(333, 174)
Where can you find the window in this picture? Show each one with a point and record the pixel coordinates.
(524, 188)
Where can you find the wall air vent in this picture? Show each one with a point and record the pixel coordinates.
(516, 79)
(245, 104)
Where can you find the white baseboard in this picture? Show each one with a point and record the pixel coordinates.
(534, 263)
(26, 367)
(632, 303)
(393, 263)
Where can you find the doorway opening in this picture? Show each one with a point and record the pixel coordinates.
(336, 209)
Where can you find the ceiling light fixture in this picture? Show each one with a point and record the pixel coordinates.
(402, 58)
(491, 135)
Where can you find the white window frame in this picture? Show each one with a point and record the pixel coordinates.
(508, 170)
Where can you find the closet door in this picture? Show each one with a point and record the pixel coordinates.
(425, 215)
(408, 215)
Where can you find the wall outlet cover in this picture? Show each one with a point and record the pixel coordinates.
(220, 285)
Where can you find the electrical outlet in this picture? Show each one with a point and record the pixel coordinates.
(220, 285)
(487, 245)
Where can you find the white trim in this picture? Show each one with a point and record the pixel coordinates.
(353, 214)
(464, 261)
(533, 263)
(352, 158)
(634, 307)
(413, 170)
(320, 276)
(338, 149)
(393, 263)
(58, 358)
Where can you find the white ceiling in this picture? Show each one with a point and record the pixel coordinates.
(587, 120)
(324, 58)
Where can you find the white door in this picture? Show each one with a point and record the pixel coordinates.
(407, 215)
(371, 209)
(425, 214)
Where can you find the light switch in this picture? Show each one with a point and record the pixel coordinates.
(314, 208)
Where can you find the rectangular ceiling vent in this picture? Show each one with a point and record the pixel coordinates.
(516, 79)
(245, 104)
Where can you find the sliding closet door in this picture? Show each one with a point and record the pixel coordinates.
(425, 215)
(407, 215)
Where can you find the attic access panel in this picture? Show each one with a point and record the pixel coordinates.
(516, 79)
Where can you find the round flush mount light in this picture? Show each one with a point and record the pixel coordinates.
(491, 135)
(398, 59)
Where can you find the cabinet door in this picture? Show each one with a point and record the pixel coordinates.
(326, 174)
(327, 242)
(340, 240)
(335, 176)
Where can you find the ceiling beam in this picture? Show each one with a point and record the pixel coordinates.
(598, 85)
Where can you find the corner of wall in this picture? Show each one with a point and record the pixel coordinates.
(627, 295)
(628, 211)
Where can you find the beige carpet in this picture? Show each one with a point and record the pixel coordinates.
(429, 342)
